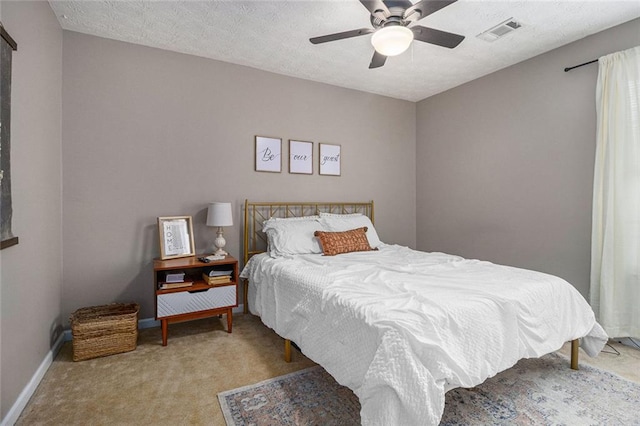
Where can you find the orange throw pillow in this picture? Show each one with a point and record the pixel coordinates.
(343, 242)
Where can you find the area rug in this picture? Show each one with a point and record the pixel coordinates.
(542, 391)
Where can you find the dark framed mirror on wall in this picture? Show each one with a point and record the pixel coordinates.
(7, 46)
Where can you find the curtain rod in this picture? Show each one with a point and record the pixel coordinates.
(578, 66)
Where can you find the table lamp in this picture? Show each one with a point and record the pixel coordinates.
(219, 214)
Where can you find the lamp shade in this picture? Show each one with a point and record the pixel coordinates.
(219, 214)
(392, 40)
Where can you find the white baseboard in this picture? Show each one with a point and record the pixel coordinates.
(27, 392)
(12, 416)
(148, 323)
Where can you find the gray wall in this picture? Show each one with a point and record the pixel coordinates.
(31, 271)
(151, 133)
(505, 162)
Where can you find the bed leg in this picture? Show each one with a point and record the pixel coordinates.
(287, 350)
(574, 354)
(245, 297)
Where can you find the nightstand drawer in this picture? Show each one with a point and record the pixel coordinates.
(184, 302)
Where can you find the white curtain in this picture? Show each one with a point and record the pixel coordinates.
(615, 238)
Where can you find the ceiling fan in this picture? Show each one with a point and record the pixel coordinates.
(391, 32)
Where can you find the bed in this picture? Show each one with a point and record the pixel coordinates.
(397, 326)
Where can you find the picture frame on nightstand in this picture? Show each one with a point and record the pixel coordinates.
(176, 237)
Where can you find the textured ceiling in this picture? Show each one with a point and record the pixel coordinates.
(274, 36)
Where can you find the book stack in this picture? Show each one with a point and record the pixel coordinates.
(174, 280)
(217, 277)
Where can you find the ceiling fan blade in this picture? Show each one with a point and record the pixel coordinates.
(437, 37)
(376, 7)
(404, 4)
(340, 36)
(427, 7)
(377, 61)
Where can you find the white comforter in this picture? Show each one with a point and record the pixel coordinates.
(401, 327)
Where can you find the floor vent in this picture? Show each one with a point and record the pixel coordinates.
(500, 30)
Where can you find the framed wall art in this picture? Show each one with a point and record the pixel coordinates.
(268, 154)
(301, 157)
(7, 46)
(176, 237)
(329, 159)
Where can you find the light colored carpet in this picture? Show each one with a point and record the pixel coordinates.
(172, 385)
(179, 383)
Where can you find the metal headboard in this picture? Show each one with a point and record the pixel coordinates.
(255, 213)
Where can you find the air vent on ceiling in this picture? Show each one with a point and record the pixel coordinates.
(499, 30)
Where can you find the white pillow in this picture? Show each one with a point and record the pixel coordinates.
(290, 236)
(325, 214)
(291, 219)
(345, 222)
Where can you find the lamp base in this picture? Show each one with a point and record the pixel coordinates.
(220, 242)
(220, 252)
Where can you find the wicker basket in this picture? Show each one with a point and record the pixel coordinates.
(104, 330)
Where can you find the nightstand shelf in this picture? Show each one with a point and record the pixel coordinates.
(199, 300)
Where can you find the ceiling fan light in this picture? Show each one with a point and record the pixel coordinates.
(392, 40)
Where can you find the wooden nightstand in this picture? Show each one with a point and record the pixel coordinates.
(199, 300)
